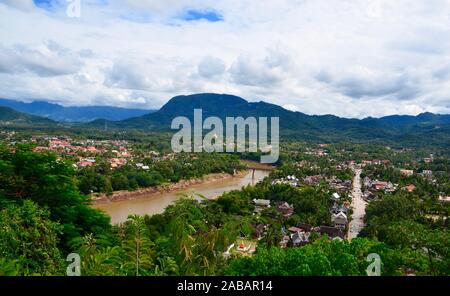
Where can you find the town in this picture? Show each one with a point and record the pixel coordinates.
(315, 193)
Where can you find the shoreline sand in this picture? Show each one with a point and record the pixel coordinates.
(164, 188)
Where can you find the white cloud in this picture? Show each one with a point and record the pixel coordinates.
(291, 108)
(210, 67)
(48, 60)
(350, 58)
(250, 71)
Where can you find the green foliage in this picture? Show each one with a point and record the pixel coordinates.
(50, 183)
(28, 241)
(435, 244)
(322, 257)
(137, 247)
(43, 216)
(102, 179)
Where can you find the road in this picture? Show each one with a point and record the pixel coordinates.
(358, 205)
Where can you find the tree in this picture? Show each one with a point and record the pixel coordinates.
(137, 247)
(320, 258)
(434, 244)
(390, 208)
(29, 239)
(50, 183)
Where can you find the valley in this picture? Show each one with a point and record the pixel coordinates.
(97, 190)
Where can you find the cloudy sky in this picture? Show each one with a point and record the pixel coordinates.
(352, 58)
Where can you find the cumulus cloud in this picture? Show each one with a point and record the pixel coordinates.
(360, 82)
(210, 67)
(291, 107)
(349, 58)
(49, 60)
(250, 71)
(155, 74)
(131, 75)
(20, 4)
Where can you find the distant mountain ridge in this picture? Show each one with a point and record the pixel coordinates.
(428, 128)
(223, 105)
(432, 127)
(421, 118)
(60, 113)
(9, 116)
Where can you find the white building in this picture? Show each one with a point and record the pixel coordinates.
(339, 220)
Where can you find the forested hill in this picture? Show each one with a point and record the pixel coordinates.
(60, 113)
(427, 127)
(9, 116)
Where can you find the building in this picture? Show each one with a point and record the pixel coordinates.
(382, 185)
(369, 196)
(367, 182)
(304, 227)
(261, 204)
(409, 188)
(339, 220)
(332, 232)
(407, 172)
(427, 174)
(260, 231)
(290, 180)
(285, 209)
(444, 198)
(300, 238)
(284, 241)
(294, 229)
(83, 164)
(312, 179)
(245, 247)
(336, 196)
(337, 208)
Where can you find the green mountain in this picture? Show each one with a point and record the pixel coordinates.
(72, 114)
(9, 116)
(426, 127)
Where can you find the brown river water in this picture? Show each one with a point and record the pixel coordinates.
(155, 203)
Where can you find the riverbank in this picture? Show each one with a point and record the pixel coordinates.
(251, 164)
(165, 188)
(156, 203)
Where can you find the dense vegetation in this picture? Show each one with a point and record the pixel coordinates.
(44, 217)
(72, 114)
(412, 220)
(323, 258)
(101, 178)
(424, 130)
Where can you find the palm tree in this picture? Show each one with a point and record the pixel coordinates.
(137, 245)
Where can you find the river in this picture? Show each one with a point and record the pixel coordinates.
(155, 203)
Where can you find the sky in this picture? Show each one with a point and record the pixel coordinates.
(355, 58)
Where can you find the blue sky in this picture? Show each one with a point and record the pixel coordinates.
(352, 58)
(207, 15)
(48, 4)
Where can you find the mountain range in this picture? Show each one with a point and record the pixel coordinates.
(60, 113)
(296, 125)
(425, 128)
(9, 116)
